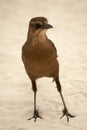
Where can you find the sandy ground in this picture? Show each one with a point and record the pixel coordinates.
(69, 18)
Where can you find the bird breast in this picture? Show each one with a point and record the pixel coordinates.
(39, 59)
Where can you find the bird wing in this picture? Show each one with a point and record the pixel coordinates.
(53, 46)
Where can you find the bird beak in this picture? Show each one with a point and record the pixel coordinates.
(46, 26)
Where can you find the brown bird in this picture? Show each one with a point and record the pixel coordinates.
(39, 56)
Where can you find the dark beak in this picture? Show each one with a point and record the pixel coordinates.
(46, 26)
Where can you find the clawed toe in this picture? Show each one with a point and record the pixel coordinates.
(35, 116)
(67, 114)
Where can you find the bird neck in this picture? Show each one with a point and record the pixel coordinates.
(41, 36)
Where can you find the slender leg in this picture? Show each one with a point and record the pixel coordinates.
(36, 113)
(65, 110)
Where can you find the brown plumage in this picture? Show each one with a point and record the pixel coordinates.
(39, 56)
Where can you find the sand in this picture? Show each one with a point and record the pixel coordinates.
(69, 34)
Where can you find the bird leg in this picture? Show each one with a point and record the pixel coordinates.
(65, 110)
(36, 112)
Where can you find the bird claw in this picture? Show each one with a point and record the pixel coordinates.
(35, 116)
(67, 114)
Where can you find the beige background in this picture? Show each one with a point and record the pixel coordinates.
(69, 18)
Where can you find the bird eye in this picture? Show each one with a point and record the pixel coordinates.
(37, 25)
(33, 25)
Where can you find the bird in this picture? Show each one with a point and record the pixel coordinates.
(40, 59)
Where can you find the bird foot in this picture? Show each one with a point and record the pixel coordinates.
(67, 114)
(35, 116)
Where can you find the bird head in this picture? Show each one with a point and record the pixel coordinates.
(38, 25)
